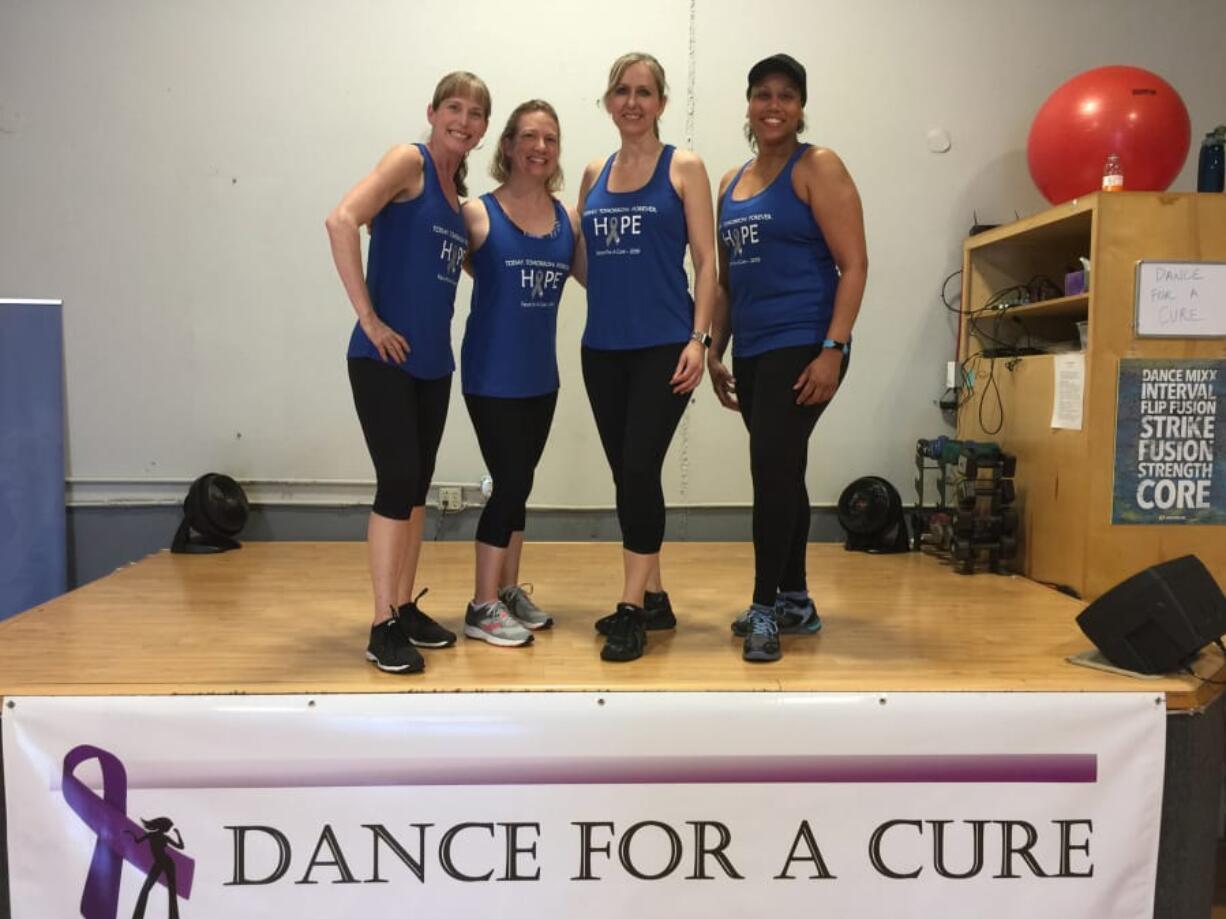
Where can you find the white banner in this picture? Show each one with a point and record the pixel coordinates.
(550, 805)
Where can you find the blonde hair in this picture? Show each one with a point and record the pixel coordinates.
(500, 165)
(468, 86)
(624, 63)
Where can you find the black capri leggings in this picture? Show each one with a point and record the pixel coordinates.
(636, 414)
(779, 431)
(402, 420)
(512, 435)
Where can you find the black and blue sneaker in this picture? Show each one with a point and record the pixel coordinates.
(762, 637)
(791, 617)
(797, 618)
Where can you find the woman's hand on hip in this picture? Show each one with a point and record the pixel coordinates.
(388, 342)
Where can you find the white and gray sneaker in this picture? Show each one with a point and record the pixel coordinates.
(492, 622)
(519, 603)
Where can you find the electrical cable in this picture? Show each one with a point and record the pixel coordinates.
(945, 286)
(992, 384)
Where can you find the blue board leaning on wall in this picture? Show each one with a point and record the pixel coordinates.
(32, 520)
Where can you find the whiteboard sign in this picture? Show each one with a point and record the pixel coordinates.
(1181, 299)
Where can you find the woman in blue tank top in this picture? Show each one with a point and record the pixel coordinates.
(643, 347)
(400, 360)
(521, 244)
(793, 266)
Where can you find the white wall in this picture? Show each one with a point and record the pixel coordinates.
(165, 169)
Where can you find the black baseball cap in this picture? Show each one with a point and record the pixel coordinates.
(779, 63)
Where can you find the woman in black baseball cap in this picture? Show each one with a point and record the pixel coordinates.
(793, 266)
(783, 64)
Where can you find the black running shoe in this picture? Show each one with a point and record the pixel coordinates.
(421, 629)
(389, 648)
(762, 642)
(627, 634)
(658, 612)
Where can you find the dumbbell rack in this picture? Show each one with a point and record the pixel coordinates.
(984, 520)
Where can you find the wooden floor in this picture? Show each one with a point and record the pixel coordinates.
(293, 617)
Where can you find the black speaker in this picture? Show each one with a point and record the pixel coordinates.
(1158, 620)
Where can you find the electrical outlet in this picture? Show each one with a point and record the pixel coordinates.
(450, 497)
(951, 374)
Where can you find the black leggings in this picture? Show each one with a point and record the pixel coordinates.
(636, 414)
(779, 431)
(512, 435)
(402, 420)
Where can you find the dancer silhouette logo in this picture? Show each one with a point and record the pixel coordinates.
(150, 848)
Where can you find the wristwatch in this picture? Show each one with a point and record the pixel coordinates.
(844, 346)
(702, 338)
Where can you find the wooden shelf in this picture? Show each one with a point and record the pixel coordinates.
(1076, 307)
(1065, 221)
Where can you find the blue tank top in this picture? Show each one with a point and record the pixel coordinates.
(412, 268)
(781, 274)
(510, 341)
(637, 292)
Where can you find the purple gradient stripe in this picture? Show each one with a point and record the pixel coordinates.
(742, 770)
(1006, 768)
(107, 816)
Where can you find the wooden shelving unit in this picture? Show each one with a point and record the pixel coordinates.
(1065, 477)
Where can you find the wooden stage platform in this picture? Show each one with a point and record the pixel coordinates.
(293, 618)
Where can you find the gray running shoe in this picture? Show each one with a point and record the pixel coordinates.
(495, 624)
(792, 618)
(519, 602)
(762, 642)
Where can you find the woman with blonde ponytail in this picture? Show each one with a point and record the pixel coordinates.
(400, 360)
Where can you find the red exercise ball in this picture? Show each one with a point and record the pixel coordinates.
(1124, 110)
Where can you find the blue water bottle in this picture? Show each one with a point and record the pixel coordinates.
(1212, 160)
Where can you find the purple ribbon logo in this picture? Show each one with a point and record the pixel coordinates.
(120, 839)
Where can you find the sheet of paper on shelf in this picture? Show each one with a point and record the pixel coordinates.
(1069, 391)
